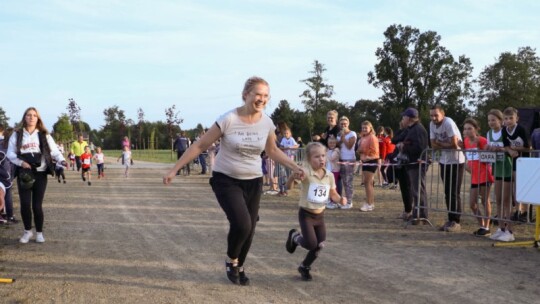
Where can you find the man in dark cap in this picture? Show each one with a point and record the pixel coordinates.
(411, 148)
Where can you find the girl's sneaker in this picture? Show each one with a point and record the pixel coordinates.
(495, 236)
(482, 232)
(367, 207)
(331, 205)
(26, 236)
(40, 238)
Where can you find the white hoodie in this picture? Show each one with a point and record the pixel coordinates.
(30, 144)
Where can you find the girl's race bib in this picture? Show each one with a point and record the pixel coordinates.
(318, 194)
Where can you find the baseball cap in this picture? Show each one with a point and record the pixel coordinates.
(410, 112)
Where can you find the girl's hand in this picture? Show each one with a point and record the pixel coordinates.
(343, 201)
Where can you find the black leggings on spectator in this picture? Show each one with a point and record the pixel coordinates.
(313, 234)
(32, 201)
(240, 200)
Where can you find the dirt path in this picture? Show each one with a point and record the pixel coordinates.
(137, 241)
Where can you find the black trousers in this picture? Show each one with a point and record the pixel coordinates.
(452, 176)
(313, 234)
(240, 200)
(32, 201)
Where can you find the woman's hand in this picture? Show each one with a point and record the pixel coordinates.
(26, 165)
(168, 178)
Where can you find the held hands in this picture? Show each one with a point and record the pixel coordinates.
(299, 173)
(343, 201)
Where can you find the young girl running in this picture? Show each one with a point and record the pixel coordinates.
(317, 186)
(481, 178)
(127, 161)
(99, 157)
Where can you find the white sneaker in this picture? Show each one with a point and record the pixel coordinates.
(367, 208)
(495, 236)
(346, 206)
(507, 236)
(331, 205)
(40, 238)
(26, 236)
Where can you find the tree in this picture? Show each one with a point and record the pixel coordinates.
(63, 129)
(115, 127)
(413, 69)
(365, 109)
(514, 80)
(172, 121)
(4, 120)
(283, 113)
(74, 112)
(318, 91)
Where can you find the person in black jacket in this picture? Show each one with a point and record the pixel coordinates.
(412, 146)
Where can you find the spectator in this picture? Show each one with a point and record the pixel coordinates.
(368, 149)
(346, 140)
(332, 130)
(31, 149)
(445, 136)
(415, 141)
(181, 144)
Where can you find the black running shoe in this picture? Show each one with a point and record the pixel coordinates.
(232, 272)
(243, 279)
(83, 178)
(290, 245)
(304, 271)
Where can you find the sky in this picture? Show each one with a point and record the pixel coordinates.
(196, 55)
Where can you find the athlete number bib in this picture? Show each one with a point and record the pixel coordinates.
(86, 161)
(318, 194)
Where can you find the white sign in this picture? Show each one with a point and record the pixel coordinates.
(488, 157)
(528, 180)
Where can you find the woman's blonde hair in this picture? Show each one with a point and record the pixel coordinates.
(252, 82)
(368, 123)
(39, 125)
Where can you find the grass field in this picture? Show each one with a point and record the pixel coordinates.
(159, 156)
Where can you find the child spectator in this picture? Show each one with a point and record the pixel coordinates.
(317, 187)
(86, 164)
(332, 165)
(481, 177)
(368, 149)
(502, 168)
(288, 145)
(382, 155)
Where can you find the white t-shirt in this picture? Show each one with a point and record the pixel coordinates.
(444, 133)
(346, 153)
(288, 143)
(241, 145)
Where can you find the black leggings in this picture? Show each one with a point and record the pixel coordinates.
(240, 200)
(313, 234)
(32, 200)
(452, 176)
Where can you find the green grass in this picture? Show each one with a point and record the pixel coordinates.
(158, 156)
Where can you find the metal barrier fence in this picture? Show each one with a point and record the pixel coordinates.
(482, 186)
(276, 174)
